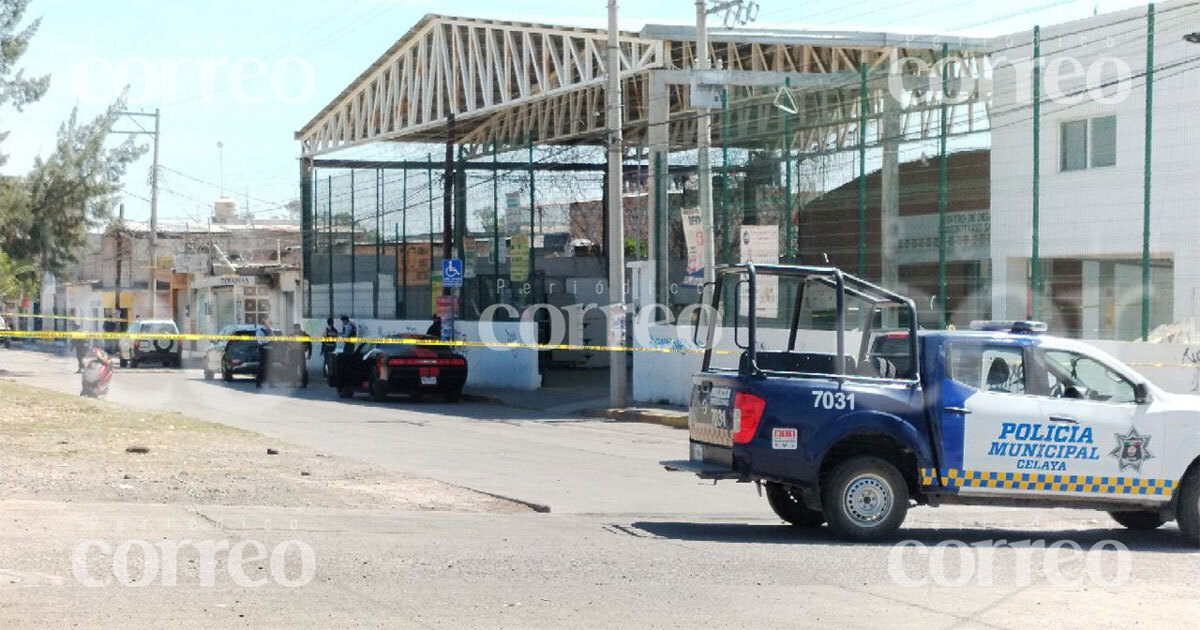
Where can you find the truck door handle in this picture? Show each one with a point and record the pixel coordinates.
(706, 386)
(963, 410)
(1064, 419)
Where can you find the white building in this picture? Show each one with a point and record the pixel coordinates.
(1091, 204)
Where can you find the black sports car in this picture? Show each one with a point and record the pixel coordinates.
(402, 366)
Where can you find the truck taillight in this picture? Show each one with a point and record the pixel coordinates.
(430, 362)
(747, 411)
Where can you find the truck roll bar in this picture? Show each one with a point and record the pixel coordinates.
(842, 283)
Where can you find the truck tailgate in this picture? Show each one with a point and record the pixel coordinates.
(710, 425)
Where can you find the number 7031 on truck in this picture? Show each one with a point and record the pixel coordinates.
(828, 394)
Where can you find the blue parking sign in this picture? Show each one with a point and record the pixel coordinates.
(452, 273)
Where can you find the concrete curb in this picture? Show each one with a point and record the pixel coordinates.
(648, 415)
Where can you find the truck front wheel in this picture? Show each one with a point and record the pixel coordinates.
(1138, 521)
(789, 505)
(864, 498)
(1187, 512)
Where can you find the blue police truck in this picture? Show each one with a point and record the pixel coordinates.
(830, 397)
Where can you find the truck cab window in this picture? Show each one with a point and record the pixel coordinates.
(988, 368)
(1075, 376)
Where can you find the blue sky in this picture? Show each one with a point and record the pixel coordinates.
(181, 56)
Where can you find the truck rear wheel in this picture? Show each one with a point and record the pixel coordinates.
(1138, 521)
(787, 503)
(864, 498)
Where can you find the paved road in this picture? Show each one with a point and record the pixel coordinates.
(571, 465)
(626, 545)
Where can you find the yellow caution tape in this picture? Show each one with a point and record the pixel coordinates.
(83, 334)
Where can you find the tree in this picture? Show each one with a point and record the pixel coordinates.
(15, 88)
(45, 215)
(16, 279)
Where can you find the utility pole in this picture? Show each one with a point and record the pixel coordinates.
(703, 143)
(448, 197)
(617, 386)
(150, 289)
(117, 235)
(739, 12)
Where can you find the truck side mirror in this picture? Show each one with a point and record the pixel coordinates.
(1141, 393)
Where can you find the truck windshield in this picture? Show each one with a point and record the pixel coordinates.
(797, 324)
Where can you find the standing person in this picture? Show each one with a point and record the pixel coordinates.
(298, 331)
(328, 345)
(331, 331)
(262, 335)
(435, 329)
(349, 331)
(82, 347)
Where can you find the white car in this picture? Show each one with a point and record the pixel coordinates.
(134, 350)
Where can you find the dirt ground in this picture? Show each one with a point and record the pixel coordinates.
(58, 447)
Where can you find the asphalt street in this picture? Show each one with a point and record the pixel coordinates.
(625, 544)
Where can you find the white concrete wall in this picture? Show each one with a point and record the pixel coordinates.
(666, 377)
(1098, 212)
(509, 368)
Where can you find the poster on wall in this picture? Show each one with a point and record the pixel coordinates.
(518, 258)
(759, 244)
(418, 265)
(693, 234)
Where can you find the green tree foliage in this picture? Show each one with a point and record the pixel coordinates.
(15, 88)
(16, 279)
(45, 216)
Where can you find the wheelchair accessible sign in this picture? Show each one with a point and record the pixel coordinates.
(452, 273)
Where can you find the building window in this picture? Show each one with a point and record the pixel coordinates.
(257, 304)
(1099, 134)
(1104, 141)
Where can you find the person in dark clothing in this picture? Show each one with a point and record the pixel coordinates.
(328, 346)
(262, 335)
(331, 331)
(435, 329)
(298, 331)
(82, 347)
(349, 331)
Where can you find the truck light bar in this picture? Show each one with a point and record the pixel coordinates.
(1013, 326)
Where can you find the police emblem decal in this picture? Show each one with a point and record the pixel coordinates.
(1132, 449)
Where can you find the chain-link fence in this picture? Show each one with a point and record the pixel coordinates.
(982, 181)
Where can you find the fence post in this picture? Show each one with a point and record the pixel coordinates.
(1147, 172)
(725, 174)
(308, 180)
(660, 238)
(495, 224)
(378, 242)
(787, 182)
(329, 235)
(395, 288)
(429, 166)
(862, 170)
(353, 253)
(1035, 278)
(404, 237)
(532, 228)
(942, 190)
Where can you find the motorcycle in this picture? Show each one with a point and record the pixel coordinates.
(97, 374)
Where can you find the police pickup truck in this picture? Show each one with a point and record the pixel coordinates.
(998, 415)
